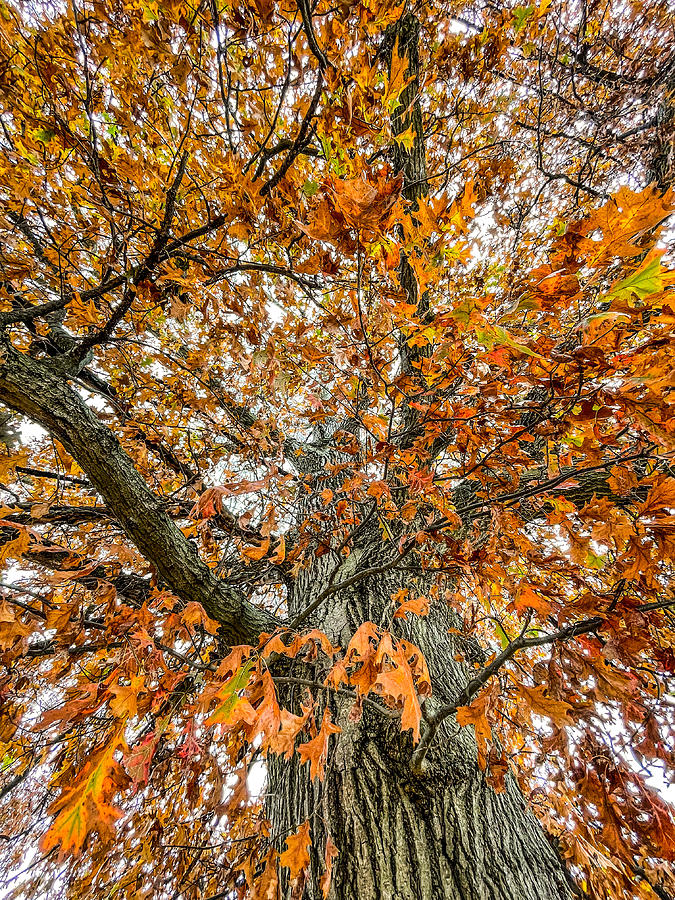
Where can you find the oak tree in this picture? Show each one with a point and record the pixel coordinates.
(338, 503)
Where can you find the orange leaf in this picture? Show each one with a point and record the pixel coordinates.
(256, 553)
(378, 489)
(296, 855)
(85, 806)
(234, 710)
(543, 705)
(125, 697)
(528, 599)
(661, 496)
(419, 606)
(365, 205)
(398, 684)
(266, 885)
(279, 554)
(210, 503)
(474, 714)
(316, 751)
(283, 743)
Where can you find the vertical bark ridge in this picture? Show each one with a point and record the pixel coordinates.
(402, 40)
(400, 838)
(446, 835)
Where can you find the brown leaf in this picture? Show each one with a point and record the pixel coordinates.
(330, 855)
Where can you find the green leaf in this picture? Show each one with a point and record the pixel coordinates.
(645, 281)
(44, 135)
(520, 16)
(503, 636)
(495, 334)
(593, 561)
(228, 695)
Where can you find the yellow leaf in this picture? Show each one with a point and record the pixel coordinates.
(15, 548)
(396, 82)
(406, 138)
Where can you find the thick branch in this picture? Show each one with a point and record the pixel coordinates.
(31, 388)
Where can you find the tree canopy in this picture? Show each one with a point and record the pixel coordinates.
(275, 275)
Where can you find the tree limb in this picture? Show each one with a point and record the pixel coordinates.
(31, 388)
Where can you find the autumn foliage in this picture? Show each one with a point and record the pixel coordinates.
(270, 281)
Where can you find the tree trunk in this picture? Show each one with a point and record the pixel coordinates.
(400, 835)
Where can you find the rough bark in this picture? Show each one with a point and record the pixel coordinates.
(402, 835)
(661, 169)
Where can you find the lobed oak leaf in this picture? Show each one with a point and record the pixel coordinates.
(256, 553)
(142, 639)
(311, 640)
(296, 855)
(360, 645)
(323, 225)
(646, 280)
(364, 205)
(58, 617)
(268, 715)
(315, 752)
(396, 80)
(542, 705)
(498, 769)
(475, 714)
(81, 701)
(195, 614)
(265, 886)
(379, 489)
(209, 504)
(138, 759)
(124, 702)
(12, 629)
(661, 496)
(279, 554)
(233, 709)
(398, 685)
(14, 549)
(418, 606)
(283, 743)
(85, 806)
(527, 598)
